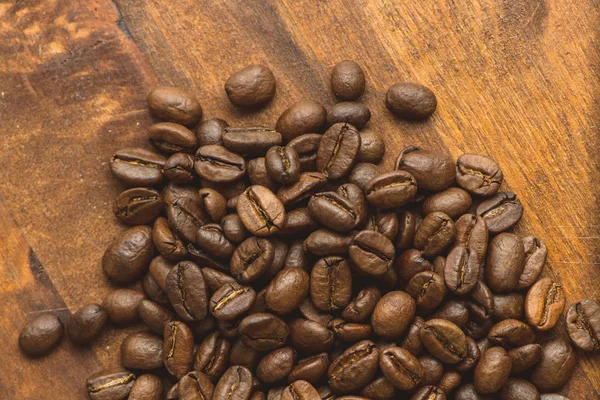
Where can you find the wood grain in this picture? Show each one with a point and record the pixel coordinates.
(517, 80)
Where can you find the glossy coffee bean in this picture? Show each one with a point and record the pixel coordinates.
(195, 386)
(583, 324)
(166, 241)
(173, 392)
(231, 301)
(455, 311)
(433, 171)
(252, 258)
(214, 203)
(211, 239)
(361, 307)
(306, 147)
(461, 271)
(556, 365)
(178, 348)
(478, 330)
(283, 164)
(40, 336)
(169, 137)
(263, 331)
(352, 112)
(410, 263)
(300, 390)
(544, 304)
(236, 383)
(372, 146)
(310, 336)
(146, 387)
(481, 305)
(393, 314)
(371, 253)
(492, 371)
(324, 242)
(453, 201)
(212, 356)
(287, 290)
(433, 370)
(391, 189)
(450, 381)
(338, 150)
(535, 259)
(410, 101)
(517, 389)
(184, 210)
(121, 306)
(142, 350)
(153, 291)
(137, 167)
(86, 323)
(310, 369)
(511, 333)
(308, 184)
(468, 392)
(429, 393)
(379, 389)
(509, 305)
(401, 368)
(280, 250)
(179, 168)
(234, 229)
(308, 310)
(254, 141)
(127, 257)
(350, 332)
(304, 116)
(154, 316)
(261, 212)
(354, 368)
(471, 356)
(187, 291)
(217, 164)
(524, 357)
(241, 354)
(434, 234)
(428, 290)
(471, 231)
(331, 284)
(362, 173)
(501, 212)
(444, 340)
(138, 206)
(174, 105)
(251, 86)
(115, 383)
(159, 269)
(334, 211)
(383, 222)
(479, 175)
(211, 132)
(347, 80)
(299, 222)
(505, 259)
(276, 365)
(412, 340)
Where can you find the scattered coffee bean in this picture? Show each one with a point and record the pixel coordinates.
(172, 138)
(127, 257)
(583, 324)
(479, 175)
(86, 323)
(121, 306)
(501, 212)
(355, 113)
(236, 383)
(310, 369)
(261, 212)
(250, 141)
(263, 331)
(348, 80)
(338, 150)
(453, 201)
(187, 291)
(410, 101)
(391, 189)
(138, 206)
(511, 333)
(371, 253)
(401, 368)
(142, 350)
(195, 385)
(42, 335)
(544, 304)
(524, 357)
(428, 290)
(305, 116)
(231, 301)
(433, 171)
(504, 265)
(174, 105)
(211, 132)
(276, 365)
(535, 259)
(217, 164)
(251, 86)
(435, 234)
(461, 271)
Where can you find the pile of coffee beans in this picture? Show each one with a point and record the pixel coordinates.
(284, 263)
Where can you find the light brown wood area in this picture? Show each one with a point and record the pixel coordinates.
(517, 80)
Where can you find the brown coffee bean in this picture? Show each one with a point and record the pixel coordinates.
(174, 105)
(258, 174)
(524, 357)
(505, 262)
(379, 389)
(478, 330)
(492, 371)
(287, 290)
(544, 304)
(429, 393)
(517, 389)
(251, 259)
(138, 206)
(86, 323)
(439, 264)
(252, 86)
(234, 229)
(410, 263)
(42, 335)
(371, 252)
(154, 316)
(324, 242)
(179, 168)
(306, 146)
(184, 210)
(218, 164)
(347, 80)
(142, 350)
(433, 370)
(280, 250)
(481, 306)
(308, 184)
(510, 305)
(211, 132)
(352, 112)
(334, 211)
(159, 269)
(338, 150)
(261, 212)
(153, 291)
(511, 333)
(556, 365)
(583, 324)
(393, 314)
(455, 311)
(146, 387)
(236, 383)
(276, 365)
(453, 201)
(195, 386)
(310, 369)
(410, 101)
(428, 290)
(241, 354)
(263, 331)
(115, 383)
(461, 271)
(435, 234)
(472, 232)
(169, 137)
(166, 240)
(471, 356)
(391, 189)
(211, 239)
(127, 257)
(468, 392)
(138, 167)
(173, 392)
(479, 175)
(231, 301)
(433, 171)
(212, 356)
(309, 311)
(350, 332)
(354, 368)
(283, 164)
(187, 291)
(383, 222)
(372, 146)
(412, 341)
(310, 336)
(501, 212)
(331, 283)
(121, 306)
(178, 348)
(254, 141)
(214, 204)
(361, 307)
(444, 340)
(304, 116)
(535, 259)
(300, 390)
(401, 368)
(299, 222)
(450, 381)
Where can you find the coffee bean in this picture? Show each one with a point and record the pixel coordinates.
(86, 323)
(356, 196)
(300, 390)
(142, 350)
(383, 222)
(401, 368)
(516, 389)
(138, 167)
(184, 210)
(371, 253)
(310, 312)
(354, 368)
(212, 356)
(361, 307)
(299, 222)
(479, 175)
(450, 381)
(428, 290)
(173, 392)
(331, 283)
(471, 356)
(127, 257)
(461, 271)
(218, 164)
(583, 324)
(410, 263)
(252, 86)
(153, 291)
(210, 132)
(393, 314)
(478, 330)
(138, 206)
(146, 387)
(372, 146)
(261, 212)
(212, 240)
(553, 396)
(453, 201)
(283, 164)
(187, 291)
(524, 357)
(492, 371)
(280, 250)
(201, 258)
(433, 171)
(535, 259)
(166, 240)
(254, 141)
(264, 331)
(154, 316)
(505, 262)
(410, 101)
(471, 231)
(511, 332)
(338, 150)
(310, 336)
(159, 268)
(362, 173)
(334, 211)
(556, 365)
(178, 348)
(115, 383)
(349, 331)
(195, 386)
(429, 393)
(214, 203)
(510, 305)
(391, 189)
(174, 105)
(412, 341)
(444, 340)
(236, 383)
(352, 112)
(251, 259)
(275, 393)
(455, 311)
(439, 264)
(310, 369)
(172, 138)
(501, 212)
(234, 229)
(40, 336)
(276, 365)
(481, 306)
(435, 234)
(468, 392)
(121, 306)
(324, 242)
(231, 301)
(433, 370)
(304, 116)
(306, 147)
(179, 168)
(544, 304)
(287, 290)
(379, 389)
(347, 80)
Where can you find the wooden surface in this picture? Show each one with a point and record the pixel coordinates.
(515, 79)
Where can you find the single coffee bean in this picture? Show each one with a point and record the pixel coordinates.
(166, 240)
(505, 260)
(308, 184)
(471, 356)
(461, 271)
(178, 348)
(211, 132)
(287, 290)
(544, 304)
(218, 164)
(444, 340)
(433, 370)
(127, 257)
(371, 252)
(154, 316)
(492, 371)
(261, 212)
(153, 291)
(234, 229)
(393, 314)
(583, 324)
(331, 283)
(283, 164)
(86, 323)
(355, 195)
(242, 354)
(362, 173)
(229, 329)
(308, 310)
(372, 146)
(509, 305)
(214, 203)
(391, 189)
(195, 386)
(306, 147)
(280, 250)
(524, 357)
(450, 381)
(113, 383)
(379, 389)
(169, 137)
(468, 392)
(252, 86)
(479, 175)
(348, 80)
(212, 240)
(428, 290)
(300, 390)
(401, 368)
(236, 383)
(138, 206)
(455, 311)
(251, 259)
(231, 301)
(555, 367)
(361, 307)
(453, 201)
(276, 365)
(350, 332)
(435, 234)
(352, 112)
(142, 350)
(324, 242)
(121, 306)
(263, 331)
(299, 222)
(334, 211)
(511, 333)
(410, 263)
(304, 116)
(471, 231)
(535, 259)
(184, 210)
(174, 105)
(42, 335)
(212, 356)
(433, 171)
(383, 222)
(517, 389)
(429, 393)
(179, 168)
(501, 212)
(201, 258)
(338, 150)
(187, 291)
(412, 341)
(354, 368)
(138, 167)
(481, 306)
(310, 369)
(146, 387)
(310, 336)
(253, 141)
(410, 101)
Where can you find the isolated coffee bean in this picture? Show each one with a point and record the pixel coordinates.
(524, 357)
(154, 316)
(121, 306)
(535, 259)
(471, 231)
(501, 212)
(435, 234)
(583, 324)
(187, 291)
(172, 138)
(146, 387)
(276, 365)
(211, 132)
(142, 350)
(372, 146)
(428, 290)
(544, 304)
(184, 210)
(263, 331)
(179, 168)
(479, 175)
(42, 335)
(433, 171)
(287, 290)
(391, 189)
(334, 211)
(195, 385)
(353, 112)
(304, 116)
(174, 105)
(236, 383)
(254, 141)
(310, 369)
(461, 271)
(310, 336)
(347, 80)
(371, 253)
(492, 371)
(429, 393)
(338, 150)
(127, 257)
(138, 206)
(453, 201)
(401, 368)
(361, 307)
(251, 86)
(511, 333)
(354, 368)
(86, 323)
(509, 305)
(137, 167)
(306, 147)
(324, 242)
(410, 101)
(393, 314)
(231, 301)
(308, 184)
(299, 390)
(178, 348)
(505, 259)
(444, 340)
(115, 383)
(331, 283)
(556, 365)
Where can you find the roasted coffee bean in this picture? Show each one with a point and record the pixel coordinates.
(174, 105)
(113, 383)
(169, 137)
(383, 222)
(535, 259)
(280, 250)
(433, 370)
(334, 211)
(544, 304)
(263, 331)
(510, 305)
(401, 368)
(127, 257)
(352, 112)
(412, 341)
(211, 132)
(444, 340)
(379, 389)
(283, 164)
(310, 369)
(471, 356)
(275, 393)
(309, 311)
(166, 241)
(556, 365)
(300, 390)
(310, 336)
(229, 329)
(146, 387)
(461, 271)
(410, 263)
(258, 174)
(299, 222)
(393, 314)
(524, 357)
(410, 101)
(371, 252)
(212, 240)
(471, 231)
(250, 141)
(154, 316)
(428, 290)
(121, 306)
(153, 291)
(304, 116)
(478, 330)
(138, 167)
(492, 371)
(227, 189)
(324, 242)
(212, 356)
(505, 260)
(178, 348)
(455, 311)
(287, 290)
(202, 328)
(142, 350)
(350, 332)
(453, 201)
(173, 392)
(433, 171)
(439, 264)
(184, 210)
(429, 393)
(138, 206)
(331, 283)
(242, 354)
(517, 389)
(479, 175)
(187, 291)
(501, 212)
(195, 386)
(276, 365)
(218, 164)
(86, 323)
(354, 368)
(251, 259)
(201, 258)
(481, 306)
(231, 301)
(583, 324)
(42, 335)
(356, 196)
(236, 383)
(234, 229)
(362, 173)
(372, 146)
(261, 212)
(179, 168)
(347, 80)
(435, 234)
(361, 307)
(468, 392)
(308, 184)
(213, 203)
(306, 147)
(391, 189)
(338, 150)
(159, 268)
(511, 333)
(252, 86)
(450, 381)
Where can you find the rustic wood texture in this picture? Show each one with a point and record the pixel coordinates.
(517, 80)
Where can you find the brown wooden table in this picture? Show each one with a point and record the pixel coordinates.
(517, 80)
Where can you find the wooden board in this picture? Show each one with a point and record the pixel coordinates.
(517, 80)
